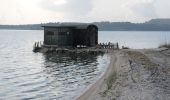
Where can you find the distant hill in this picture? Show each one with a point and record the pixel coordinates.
(152, 25)
(159, 21)
(22, 27)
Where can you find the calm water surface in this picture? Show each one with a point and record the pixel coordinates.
(136, 39)
(26, 75)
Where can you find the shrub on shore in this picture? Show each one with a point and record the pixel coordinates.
(166, 45)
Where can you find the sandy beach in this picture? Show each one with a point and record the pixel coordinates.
(133, 75)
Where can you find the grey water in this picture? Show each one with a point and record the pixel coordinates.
(136, 39)
(26, 75)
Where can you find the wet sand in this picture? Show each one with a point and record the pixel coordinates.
(133, 75)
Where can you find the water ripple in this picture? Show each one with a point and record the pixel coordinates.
(26, 75)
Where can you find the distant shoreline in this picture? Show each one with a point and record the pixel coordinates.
(102, 30)
(152, 25)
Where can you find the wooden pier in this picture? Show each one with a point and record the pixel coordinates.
(100, 48)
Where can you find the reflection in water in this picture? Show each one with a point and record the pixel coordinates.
(72, 72)
(25, 75)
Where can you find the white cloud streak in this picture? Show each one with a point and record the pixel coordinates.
(37, 11)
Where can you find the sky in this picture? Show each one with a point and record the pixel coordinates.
(43, 11)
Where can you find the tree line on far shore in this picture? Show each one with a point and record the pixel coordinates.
(152, 25)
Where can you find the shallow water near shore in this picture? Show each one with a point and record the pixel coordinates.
(28, 75)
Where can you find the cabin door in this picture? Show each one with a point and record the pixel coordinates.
(49, 38)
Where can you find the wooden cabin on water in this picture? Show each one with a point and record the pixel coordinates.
(71, 36)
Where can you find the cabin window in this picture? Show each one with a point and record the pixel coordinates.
(63, 33)
(50, 33)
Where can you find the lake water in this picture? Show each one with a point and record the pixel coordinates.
(136, 39)
(26, 75)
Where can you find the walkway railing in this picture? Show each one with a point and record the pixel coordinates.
(37, 46)
(108, 45)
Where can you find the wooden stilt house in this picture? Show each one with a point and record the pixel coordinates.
(71, 35)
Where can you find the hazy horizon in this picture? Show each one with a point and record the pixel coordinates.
(17, 12)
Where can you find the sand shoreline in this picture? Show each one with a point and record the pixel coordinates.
(133, 75)
(92, 89)
(95, 82)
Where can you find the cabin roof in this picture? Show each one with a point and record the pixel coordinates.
(77, 26)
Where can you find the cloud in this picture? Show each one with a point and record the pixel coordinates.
(39, 11)
(143, 8)
(73, 7)
(162, 8)
(120, 10)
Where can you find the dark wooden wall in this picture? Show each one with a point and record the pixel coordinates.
(71, 36)
(60, 36)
